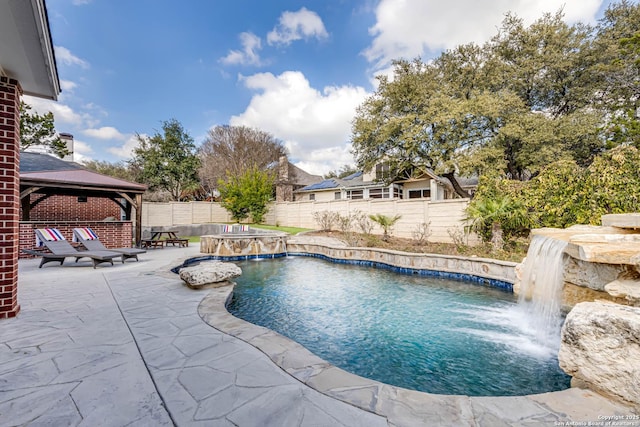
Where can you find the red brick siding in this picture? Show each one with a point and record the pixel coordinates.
(10, 92)
(67, 208)
(113, 234)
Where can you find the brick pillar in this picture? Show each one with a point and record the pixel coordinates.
(10, 93)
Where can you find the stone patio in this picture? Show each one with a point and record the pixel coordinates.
(126, 345)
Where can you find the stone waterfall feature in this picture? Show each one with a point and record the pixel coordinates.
(600, 340)
(600, 349)
(243, 242)
(542, 274)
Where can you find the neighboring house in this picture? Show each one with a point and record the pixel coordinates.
(371, 185)
(291, 179)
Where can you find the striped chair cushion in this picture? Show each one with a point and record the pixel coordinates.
(85, 233)
(48, 234)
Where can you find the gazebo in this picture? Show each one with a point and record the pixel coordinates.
(66, 195)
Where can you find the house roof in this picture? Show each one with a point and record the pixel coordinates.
(352, 181)
(26, 48)
(355, 180)
(322, 185)
(468, 182)
(423, 173)
(45, 170)
(301, 177)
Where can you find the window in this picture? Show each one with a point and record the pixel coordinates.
(337, 195)
(379, 193)
(312, 196)
(382, 171)
(355, 194)
(418, 194)
(397, 192)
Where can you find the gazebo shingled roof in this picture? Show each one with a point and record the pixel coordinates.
(47, 175)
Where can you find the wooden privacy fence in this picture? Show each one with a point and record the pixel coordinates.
(445, 218)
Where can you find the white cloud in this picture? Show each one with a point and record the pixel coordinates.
(327, 159)
(411, 28)
(65, 56)
(105, 132)
(315, 125)
(81, 151)
(125, 151)
(68, 85)
(251, 44)
(62, 114)
(292, 26)
(80, 2)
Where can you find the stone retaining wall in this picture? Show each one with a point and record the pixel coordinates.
(495, 272)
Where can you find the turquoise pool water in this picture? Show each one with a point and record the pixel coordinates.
(427, 334)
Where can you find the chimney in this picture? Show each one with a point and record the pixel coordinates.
(68, 140)
(283, 169)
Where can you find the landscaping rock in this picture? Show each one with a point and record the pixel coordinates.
(209, 274)
(601, 348)
(626, 289)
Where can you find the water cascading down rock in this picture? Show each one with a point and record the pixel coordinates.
(600, 338)
(541, 288)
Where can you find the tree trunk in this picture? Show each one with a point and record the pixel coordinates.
(497, 242)
(456, 186)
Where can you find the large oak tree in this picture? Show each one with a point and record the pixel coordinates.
(529, 96)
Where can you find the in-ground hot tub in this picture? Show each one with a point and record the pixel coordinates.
(243, 242)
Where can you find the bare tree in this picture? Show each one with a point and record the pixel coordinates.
(232, 150)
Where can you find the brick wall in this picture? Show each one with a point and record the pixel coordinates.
(113, 234)
(60, 208)
(10, 92)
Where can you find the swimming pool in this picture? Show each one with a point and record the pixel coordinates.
(427, 334)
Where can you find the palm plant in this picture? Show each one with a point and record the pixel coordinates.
(490, 218)
(386, 223)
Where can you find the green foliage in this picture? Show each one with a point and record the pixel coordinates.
(120, 170)
(564, 193)
(168, 161)
(343, 172)
(386, 222)
(626, 125)
(552, 196)
(36, 129)
(611, 183)
(247, 195)
(490, 217)
(530, 96)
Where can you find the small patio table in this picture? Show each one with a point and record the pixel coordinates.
(171, 238)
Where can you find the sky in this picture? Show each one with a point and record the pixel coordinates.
(297, 69)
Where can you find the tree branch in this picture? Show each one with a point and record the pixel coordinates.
(456, 185)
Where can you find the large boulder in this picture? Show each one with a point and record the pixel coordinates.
(601, 348)
(209, 274)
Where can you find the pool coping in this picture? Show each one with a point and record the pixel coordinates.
(399, 405)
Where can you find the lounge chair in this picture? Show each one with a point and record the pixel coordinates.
(60, 249)
(89, 239)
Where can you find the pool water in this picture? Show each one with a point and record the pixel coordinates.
(427, 334)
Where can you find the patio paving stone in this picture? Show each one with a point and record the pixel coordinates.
(131, 345)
